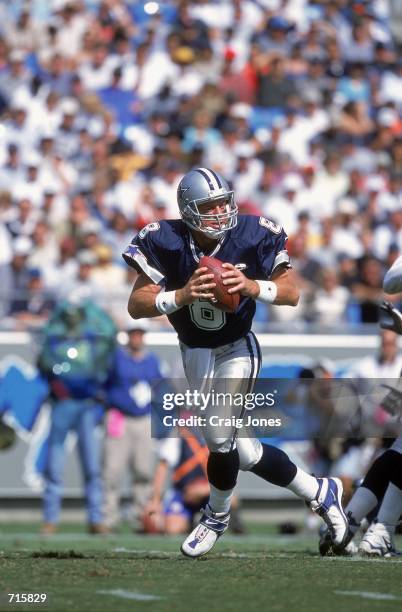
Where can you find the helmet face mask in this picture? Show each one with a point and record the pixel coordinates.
(202, 188)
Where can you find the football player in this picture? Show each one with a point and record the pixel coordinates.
(382, 485)
(219, 346)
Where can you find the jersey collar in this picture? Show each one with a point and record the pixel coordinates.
(196, 251)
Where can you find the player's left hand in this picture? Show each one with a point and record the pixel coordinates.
(236, 281)
(396, 324)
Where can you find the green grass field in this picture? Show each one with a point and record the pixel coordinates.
(260, 571)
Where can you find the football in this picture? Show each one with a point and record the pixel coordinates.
(228, 302)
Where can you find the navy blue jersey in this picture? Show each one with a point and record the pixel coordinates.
(167, 253)
(129, 384)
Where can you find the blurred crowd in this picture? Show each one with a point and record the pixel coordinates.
(105, 104)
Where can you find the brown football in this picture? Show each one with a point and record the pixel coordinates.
(228, 302)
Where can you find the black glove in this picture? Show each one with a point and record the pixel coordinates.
(395, 315)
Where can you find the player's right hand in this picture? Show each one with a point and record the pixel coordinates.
(396, 318)
(198, 286)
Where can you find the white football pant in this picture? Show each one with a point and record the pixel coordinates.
(232, 368)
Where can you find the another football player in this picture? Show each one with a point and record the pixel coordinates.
(381, 488)
(220, 346)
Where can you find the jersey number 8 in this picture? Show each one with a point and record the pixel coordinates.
(205, 316)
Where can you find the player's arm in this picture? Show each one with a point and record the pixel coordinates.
(282, 284)
(143, 299)
(288, 292)
(393, 278)
(141, 302)
(395, 315)
(168, 458)
(154, 504)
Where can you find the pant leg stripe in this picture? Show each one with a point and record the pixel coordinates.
(250, 382)
(252, 359)
(259, 356)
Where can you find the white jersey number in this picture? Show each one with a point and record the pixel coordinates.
(205, 316)
(141, 393)
(151, 227)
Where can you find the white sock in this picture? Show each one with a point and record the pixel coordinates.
(304, 485)
(391, 507)
(219, 501)
(362, 502)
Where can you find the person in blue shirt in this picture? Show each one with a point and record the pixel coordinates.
(128, 441)
(219, 350)
(74, 358)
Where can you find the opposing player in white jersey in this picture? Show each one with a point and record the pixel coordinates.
(217, 346)
(382, 485)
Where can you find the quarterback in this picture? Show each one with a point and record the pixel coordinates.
(217, 347)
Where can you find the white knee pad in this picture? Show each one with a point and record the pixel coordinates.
(250, 452)
(220, 445)
(250, 449)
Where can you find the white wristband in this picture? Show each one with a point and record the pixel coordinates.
(268, 291)
(165, 302)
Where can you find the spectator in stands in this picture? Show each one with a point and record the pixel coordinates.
(346, 236)
(354, 121)
(11, 172)
(274, 87)
(15, 77)
(44, 247)
(95, 104)
(79, 283)
(367, 289)
(282, 209)
(330, 300)
(14, 269)
(389, 233)
(34, 305)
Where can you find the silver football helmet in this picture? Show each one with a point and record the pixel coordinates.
(203, 186)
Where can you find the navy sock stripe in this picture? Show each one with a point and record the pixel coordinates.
(275, 466)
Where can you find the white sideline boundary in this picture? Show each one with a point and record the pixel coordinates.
(370, 595)
(132, 595)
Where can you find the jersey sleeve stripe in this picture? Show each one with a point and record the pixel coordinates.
(281, 258)
(139, 258)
